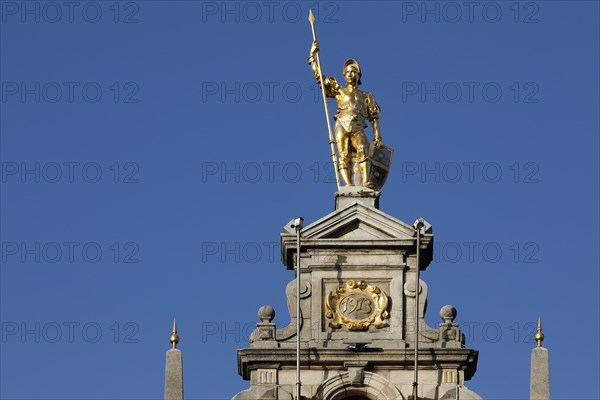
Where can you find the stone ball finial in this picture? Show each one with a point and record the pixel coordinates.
(448, 314)
(266, 313)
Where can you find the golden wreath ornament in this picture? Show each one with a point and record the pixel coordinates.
(357, 305)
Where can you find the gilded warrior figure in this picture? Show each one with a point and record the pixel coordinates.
(354, 107)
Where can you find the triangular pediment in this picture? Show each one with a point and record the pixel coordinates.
(356, 226)
(358, 222)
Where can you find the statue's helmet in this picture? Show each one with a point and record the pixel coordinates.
(352, 62)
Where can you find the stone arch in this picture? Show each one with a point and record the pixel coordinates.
(374, 387)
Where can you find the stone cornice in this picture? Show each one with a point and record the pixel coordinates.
(374, 358)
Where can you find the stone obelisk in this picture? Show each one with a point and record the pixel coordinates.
(540, 372)
(174, 369)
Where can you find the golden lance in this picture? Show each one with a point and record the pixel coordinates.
(311, 19)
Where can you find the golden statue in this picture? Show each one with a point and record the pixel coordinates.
(360, 163)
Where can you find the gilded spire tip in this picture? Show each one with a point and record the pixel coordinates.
(174, 338)
(539, 336)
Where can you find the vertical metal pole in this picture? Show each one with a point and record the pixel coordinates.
(298, 226)
(311, 19)
(417, 287)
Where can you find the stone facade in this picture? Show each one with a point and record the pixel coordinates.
(357, 315)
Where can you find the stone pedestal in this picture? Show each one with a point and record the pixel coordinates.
(174, 375)
(349, 195)
(540, 375)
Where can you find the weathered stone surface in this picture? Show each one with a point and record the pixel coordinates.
(340, 386)
(453, 392)
(174, 375)
(540, 375)
(348, 195)
(356, 234)
(464, 360)
(340, 355)
(272, 392)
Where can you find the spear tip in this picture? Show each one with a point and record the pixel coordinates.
(311, 17)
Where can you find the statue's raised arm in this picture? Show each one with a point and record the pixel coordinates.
(332, 87)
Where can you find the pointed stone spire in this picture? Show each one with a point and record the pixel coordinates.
(540, 372)
(174, 369)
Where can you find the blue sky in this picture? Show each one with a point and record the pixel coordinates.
(152, 152)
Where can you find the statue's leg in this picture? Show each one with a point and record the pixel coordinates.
(359, 141)
(341, 140)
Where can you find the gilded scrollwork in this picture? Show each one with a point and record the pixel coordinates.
(357, 305)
